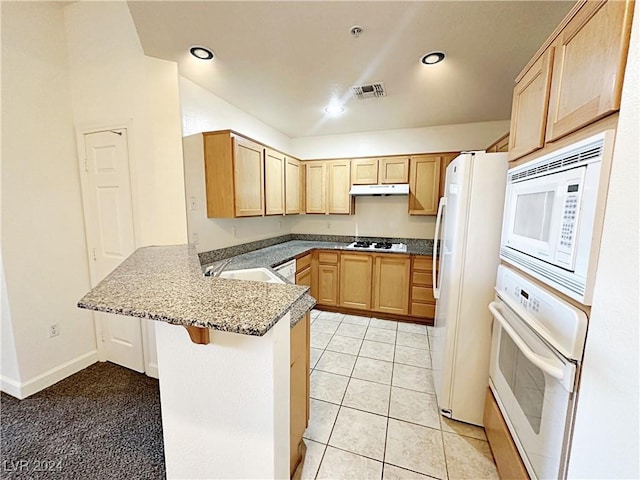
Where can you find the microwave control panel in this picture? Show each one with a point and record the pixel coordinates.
(569, 222)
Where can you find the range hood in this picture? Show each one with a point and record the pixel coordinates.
(391, 189)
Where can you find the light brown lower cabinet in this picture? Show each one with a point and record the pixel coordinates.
(355, 280)
(504, 450)
(391, 283)
(325, 277)
(422, 302)
(303, 270)
(299, 389)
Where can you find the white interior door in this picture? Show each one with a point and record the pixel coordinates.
(110, 235)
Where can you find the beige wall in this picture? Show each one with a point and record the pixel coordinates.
(114, 83)
(43, 242)
(374, 216)
(444, 138)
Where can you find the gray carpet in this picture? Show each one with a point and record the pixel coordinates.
(101, 423)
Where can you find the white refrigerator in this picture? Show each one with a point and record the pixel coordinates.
(468, 229)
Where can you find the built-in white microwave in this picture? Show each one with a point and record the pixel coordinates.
(553, 215)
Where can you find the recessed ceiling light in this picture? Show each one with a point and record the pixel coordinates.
(203, 53)
(432, 58)
(334, 109)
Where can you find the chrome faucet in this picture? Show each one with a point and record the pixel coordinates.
(216, 270)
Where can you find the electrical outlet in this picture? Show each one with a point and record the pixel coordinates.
(195, 238)
(328, 225)
(54, 330)
(193, 205)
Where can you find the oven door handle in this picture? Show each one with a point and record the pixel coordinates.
(542, 363)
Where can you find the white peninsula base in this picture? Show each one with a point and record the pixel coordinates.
(225, 405)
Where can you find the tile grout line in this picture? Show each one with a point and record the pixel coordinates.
(326, 446)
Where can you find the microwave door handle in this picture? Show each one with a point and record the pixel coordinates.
(542, 363)
(434, 258)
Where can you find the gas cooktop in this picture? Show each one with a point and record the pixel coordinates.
(379, 246)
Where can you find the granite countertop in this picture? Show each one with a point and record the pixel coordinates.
(274, 255)
(166, 284)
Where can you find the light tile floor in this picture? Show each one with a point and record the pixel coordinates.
(373, 407)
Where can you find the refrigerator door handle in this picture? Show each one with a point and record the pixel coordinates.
(436, 241)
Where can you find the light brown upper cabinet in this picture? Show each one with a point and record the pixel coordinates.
(234, 173)
(248, 177)
(500, 145)
(424, 184)
(327, 187)
(529, 108)
(364, 171)
(393, 170)
(588, 68)
(373, 171)
(355, 280)
(338, 198)
(316, 187)
(292, 186)
(274, 182)
(391, 283)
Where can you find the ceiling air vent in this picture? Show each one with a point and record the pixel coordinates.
(367, 91)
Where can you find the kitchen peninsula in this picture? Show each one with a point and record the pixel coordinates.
(226, 384)
(226, 396)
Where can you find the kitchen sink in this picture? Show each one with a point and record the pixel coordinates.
(252, 275)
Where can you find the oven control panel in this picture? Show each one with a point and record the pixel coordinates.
(558, 322)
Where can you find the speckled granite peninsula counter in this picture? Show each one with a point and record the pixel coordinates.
(222, 395)
(166, 284)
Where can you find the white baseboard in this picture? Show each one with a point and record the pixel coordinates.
(48, 378)
(10, 386)
(152, 370)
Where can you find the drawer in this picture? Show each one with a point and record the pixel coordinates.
(328, 257)
(422, 294)
(423, 310)
(422, 263)
(422, 278)
(303, 262)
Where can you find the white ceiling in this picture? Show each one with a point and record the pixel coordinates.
(283, 62)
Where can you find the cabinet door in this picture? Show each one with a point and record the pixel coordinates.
(364, 171)
(529, 108)
(391, 284)
(588, 67)
(508, 461)
(248, 170)
(500, 145)
(299, 388)
(394, 170)
(274, 166)
(327, 284)
(316, 187)
(355, 280)
(424, 183)
(304, 277)
(339, 200)
(292, 186)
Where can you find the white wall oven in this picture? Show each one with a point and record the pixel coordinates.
(536, 353)
(554, 206)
